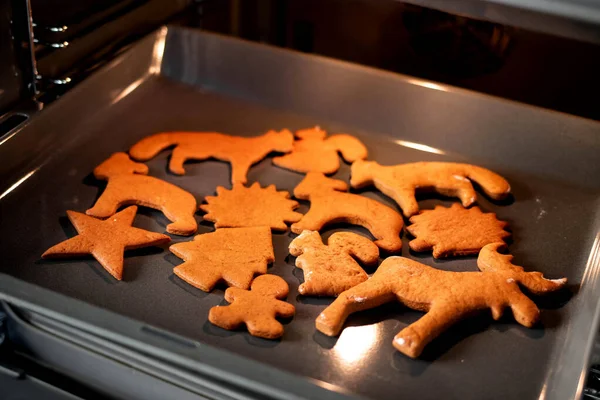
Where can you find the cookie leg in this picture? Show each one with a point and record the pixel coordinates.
(461, 188)
(524, 310)
(313, 220)
(265, 328)
(407, 201)
(367, 295)
(387, 239)
(105, 206)
(179, 156)
(225, 317)
(181, 213)
(239, 171)
(413, 339)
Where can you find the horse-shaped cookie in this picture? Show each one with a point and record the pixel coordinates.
(329, 203)
(241, 152)
(257, 308)
(445, 296)
(128, 184)
(449, 179)
(313, 152)
(330, 269)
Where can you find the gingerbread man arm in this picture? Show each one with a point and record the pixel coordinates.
(284, 309)
(351, 148)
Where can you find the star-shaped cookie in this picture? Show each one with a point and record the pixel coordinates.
(106, 240)
(248, 207)
(455, 230)
(233, 255)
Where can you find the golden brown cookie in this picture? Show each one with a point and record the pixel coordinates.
(449, 179)
(106, 240)
(455, 231)
(257, 308)
(253, 206)
(445, 297)
(314, 153)
(128, 184)
(241, 152)
(232, 255)
(330, 269)
(329, 203)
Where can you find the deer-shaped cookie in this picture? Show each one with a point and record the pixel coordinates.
(315, 153)
(445, 296)
(449, 179)
(240, 151)
(129, 184)
(257, 307)
(330, 269)
(329, 203)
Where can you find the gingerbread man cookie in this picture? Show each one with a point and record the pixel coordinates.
(455, 230)
(330, 203)
(106, 240)
(444, 296)
(314, 153)
(128, 184)
(241, 152)
(257, 308)
(253, 206)
(331, 269)
(449, 179)
(232, 255)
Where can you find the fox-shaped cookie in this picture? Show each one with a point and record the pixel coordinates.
(400, 182)
(240, 151)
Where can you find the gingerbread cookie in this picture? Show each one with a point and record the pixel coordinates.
(329, 203)
(313, 153)
(106, 240)
(445, 296)
(241, 152)
(257, 308)
(449, 179)
(455, 230)
(232, 255)
(128, 184)
(331, 269)
(253, 206)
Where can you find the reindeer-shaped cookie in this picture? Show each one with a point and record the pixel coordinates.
(315, 153)
(445, 296)
(128, 184)
(330, 203)
(449, 179)
(330, 269)
(257, 307)
(241, 152)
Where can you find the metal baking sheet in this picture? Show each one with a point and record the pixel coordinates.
(179, 79)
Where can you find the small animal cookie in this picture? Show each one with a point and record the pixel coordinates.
(313, 153)
(128, 184)
(253, 206)
(241, 152)
(106, 240)
(449, 179)
(455, 230)
(257, 308)
(331, 269)
(330, 203)
(232, 255)
(444, 296)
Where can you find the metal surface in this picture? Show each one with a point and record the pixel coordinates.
(209, 82)
(577, 19)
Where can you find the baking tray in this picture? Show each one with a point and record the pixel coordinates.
(180, 79)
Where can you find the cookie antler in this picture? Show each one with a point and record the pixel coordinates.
(491, 261)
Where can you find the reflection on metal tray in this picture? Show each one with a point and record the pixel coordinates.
(188, 80)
